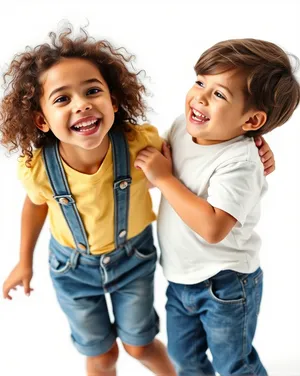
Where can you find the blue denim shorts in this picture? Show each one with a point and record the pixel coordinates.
(127, 274)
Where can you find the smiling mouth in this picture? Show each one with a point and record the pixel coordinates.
(198, 116)
(86, 126)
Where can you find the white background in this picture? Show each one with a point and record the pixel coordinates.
(168, 38)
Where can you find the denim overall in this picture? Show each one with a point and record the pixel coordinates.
(81, 279)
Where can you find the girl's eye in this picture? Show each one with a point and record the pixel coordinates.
(200, 83)
(61, 99)
(93, 91)
(219, 95)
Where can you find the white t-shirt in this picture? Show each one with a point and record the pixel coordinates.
(230, 177)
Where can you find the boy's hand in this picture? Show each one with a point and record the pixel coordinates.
(266, 154)
(155, 165)
(20, 276)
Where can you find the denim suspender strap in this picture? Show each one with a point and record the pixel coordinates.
(122, 181)
(62, 195)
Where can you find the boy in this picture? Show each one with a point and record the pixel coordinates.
(211, 204)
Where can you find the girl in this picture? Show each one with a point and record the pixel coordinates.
(77, 103)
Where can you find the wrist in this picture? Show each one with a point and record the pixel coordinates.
(25, 262)
(165, 182)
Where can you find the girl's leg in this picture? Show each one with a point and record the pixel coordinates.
(105, 364)
(153, 356)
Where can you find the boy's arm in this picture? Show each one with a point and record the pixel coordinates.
(33, 218)
(210, 223)
(232, 194)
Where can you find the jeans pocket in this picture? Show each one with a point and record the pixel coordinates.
(145, 253)
(227, 288)
(58, 266)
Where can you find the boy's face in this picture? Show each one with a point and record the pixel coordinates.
(215, 107)
(76, 104)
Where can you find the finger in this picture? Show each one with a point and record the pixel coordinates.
(27, 289)
(269, 170)
(145, 153)
(140, 160)
(138, 163)
(263, 149)
(6, 295)
(268, 164)
(166, 151)
(151, 149)
(268, 155)
(258, 141)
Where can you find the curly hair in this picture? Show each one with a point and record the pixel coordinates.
(271, 85)
(23, 88)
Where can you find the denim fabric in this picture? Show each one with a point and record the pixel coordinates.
(219, 314)
(80, 282)
(81, 279)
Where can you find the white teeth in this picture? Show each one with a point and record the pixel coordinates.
(85, 124)
(199, 115)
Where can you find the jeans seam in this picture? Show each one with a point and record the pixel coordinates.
(245, 338)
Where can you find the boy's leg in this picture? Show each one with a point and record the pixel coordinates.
(187, 343)
(230, 322)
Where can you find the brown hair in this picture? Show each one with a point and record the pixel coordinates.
(23, 88)
(271, 85)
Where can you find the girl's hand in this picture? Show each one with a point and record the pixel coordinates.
(21, 275)
(266, 154)
(155, 165)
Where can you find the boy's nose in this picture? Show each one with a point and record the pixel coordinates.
(200, 99)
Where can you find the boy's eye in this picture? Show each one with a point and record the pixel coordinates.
(61, 99)
(200, 83)
(93, 91)
(219, 95)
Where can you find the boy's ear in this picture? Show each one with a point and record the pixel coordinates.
(255, 121)
(40, 122)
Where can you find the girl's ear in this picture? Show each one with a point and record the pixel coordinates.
(40, 122)
(114, 103)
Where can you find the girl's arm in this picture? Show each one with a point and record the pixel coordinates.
(33, 218)
(266, 154)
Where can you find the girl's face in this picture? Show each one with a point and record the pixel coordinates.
(76, 104)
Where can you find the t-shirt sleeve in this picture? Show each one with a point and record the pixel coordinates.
(236, 188)
(29, 179)
(152, 137)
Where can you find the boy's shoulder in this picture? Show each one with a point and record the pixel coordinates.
(240, 149)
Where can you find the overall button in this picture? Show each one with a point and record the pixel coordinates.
(122, 234)
(82, 247)
(106, 260)
(123, 184)
(64, 201)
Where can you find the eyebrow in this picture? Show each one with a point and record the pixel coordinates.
(222, 86)
(89, 81)
(226, 88)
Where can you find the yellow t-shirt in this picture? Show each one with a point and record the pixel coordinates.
(94, 194)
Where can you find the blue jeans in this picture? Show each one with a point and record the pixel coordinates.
(81, 280)
(220, 314)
